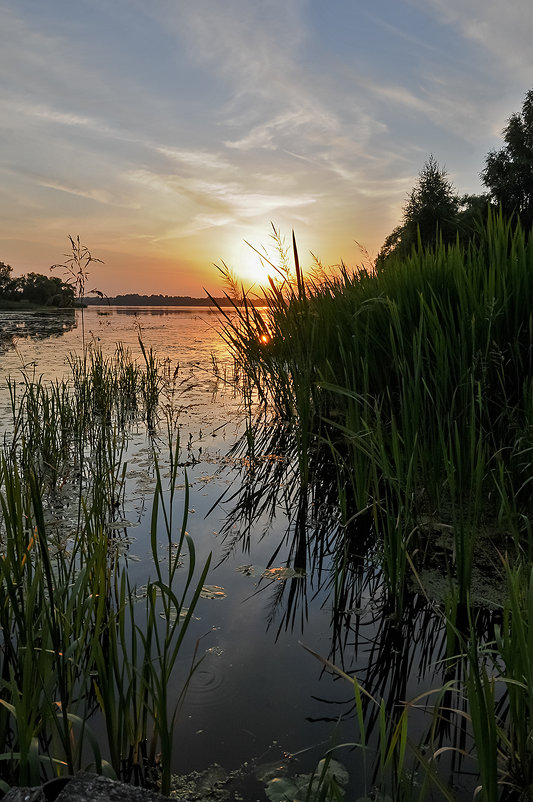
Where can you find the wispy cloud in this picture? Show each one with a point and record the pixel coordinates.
(503, 31)
(230, 200)
(192, 121)
(195, 159)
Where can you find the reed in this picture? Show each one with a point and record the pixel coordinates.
(79, 655)
(418, 377)
(408, 391)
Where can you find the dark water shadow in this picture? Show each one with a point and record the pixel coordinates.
(396, 658)
(15, 325)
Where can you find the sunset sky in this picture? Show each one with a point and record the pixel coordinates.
(166, 133)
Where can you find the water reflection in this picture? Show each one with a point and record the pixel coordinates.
(319, 578)
(159, 311)
(35, 325)
(397, 654)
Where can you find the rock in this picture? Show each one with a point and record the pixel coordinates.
(83, 787)
(24, 795)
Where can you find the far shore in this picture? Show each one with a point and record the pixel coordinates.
(27, 306)
(127, 300)
(133, 299)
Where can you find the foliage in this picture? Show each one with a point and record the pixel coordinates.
(508, 172)
(5, 279)
(431, 207)
(75, 267)
(45, 290)
(35, 288)
(411, 388)
(434, 213)
(51, 290)
(79, 652)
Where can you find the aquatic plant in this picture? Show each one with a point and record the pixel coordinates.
(79, 654)
(418, 377)
(75, 268)
(406, 392)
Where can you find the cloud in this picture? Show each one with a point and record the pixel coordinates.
(301, 123)
(251, 45)
(225, 115)
(197, 159)
(98, 195)
(503, 31)
(231, 200)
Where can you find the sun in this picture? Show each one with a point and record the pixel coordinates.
(253, 270)
(249, 268)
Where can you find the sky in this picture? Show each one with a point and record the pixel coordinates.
(170, 134)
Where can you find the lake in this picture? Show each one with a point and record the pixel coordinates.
(259, 699)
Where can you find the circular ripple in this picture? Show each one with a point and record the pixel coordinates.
(208, 685)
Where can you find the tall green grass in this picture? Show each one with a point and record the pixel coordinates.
(410, 388)
(419, 377)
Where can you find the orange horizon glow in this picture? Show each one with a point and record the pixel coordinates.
(169, 154)
(180, 268)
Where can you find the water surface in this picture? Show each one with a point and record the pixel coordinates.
(258, 695)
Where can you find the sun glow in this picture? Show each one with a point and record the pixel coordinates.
(252, 270)
(247, 266)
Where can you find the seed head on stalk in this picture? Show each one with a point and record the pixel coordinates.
(75, 269)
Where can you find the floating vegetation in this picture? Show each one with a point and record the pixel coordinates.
(283, 572)
(326, 783)
(211, 785)
(212, 592)
(216, 650)
(183, 615)
(122, 524)
(254, 780)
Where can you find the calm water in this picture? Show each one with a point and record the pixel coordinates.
(258, 696)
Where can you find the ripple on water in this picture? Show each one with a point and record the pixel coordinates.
(209, 684)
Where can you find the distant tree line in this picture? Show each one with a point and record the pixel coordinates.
(134, 299)
(435, 212)
(35, 288)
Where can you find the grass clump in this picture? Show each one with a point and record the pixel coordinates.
(419, 378)
(408, 389)
(86, 669)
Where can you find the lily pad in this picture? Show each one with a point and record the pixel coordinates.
(325, 783)
(278, 574)
(121, 524)
(173, 615)
(283, 572)
(213, 592)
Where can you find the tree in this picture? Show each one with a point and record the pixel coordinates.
(5, 279)
(431, 213)
(472, 216)
(508, 172)
(46, 291)
(431, 207)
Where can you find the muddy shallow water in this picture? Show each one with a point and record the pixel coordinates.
(259, 699)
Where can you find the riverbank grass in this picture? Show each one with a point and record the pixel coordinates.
(417, 380)
(87, 658)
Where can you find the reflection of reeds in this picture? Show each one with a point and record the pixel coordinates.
(79, 654)
(409, 391)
